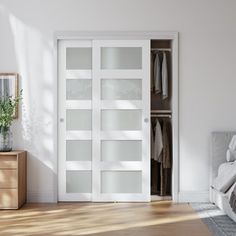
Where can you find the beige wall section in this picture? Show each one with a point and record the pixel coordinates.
(207, 55)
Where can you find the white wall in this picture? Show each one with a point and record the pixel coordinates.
(206, 64)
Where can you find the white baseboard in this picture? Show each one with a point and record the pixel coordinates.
(192, 196)
(186, 196)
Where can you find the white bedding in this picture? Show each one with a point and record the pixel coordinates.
(224, 167)
(226, 180)
(226, 177)
(220, 144)
(228, 193)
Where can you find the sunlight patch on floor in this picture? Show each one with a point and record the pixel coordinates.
(85, 219)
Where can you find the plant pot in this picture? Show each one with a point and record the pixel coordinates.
(6, 140)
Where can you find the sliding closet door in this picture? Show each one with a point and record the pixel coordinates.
(75, 120)
(121, 128)
(104, 127)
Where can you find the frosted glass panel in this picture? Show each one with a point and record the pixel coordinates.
(121, 182)
(78, 119)
(121, 150)
(78, 181)
(121, 58)
(79, 58)
(78, 150)
(121, 89)
(78, 89)
(121, 119)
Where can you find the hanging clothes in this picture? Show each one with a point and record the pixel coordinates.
(161, 158)
(152, 72)
(165, 158)
(159, 77)
(158, 142)
(164, 75)
(155, 165)
(165, 169)
(157, 74)
(155, 177)
(152, 142)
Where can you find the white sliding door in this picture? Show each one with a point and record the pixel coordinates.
(104, 133)
(75, 120)
(121, 130)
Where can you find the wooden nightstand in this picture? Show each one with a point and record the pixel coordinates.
(12, 179)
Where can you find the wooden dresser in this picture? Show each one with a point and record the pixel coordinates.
(12, 179)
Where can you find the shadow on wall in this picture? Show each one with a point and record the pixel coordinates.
(35, 130)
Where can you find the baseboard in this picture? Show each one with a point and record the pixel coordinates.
(186, 196)
(194, 196)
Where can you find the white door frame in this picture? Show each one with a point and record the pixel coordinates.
(138, 35)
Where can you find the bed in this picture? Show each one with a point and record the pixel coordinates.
(220, 142)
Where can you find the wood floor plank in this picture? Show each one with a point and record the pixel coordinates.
(103, 219)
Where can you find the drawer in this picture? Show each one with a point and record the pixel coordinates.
(8, 162)
(8, 198)
(8, 178)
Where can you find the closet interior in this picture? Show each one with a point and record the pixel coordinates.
(161, 119)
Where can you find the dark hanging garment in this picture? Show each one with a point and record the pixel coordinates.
(165, 160)
(166, 155)
(155, 177)
(155, 165)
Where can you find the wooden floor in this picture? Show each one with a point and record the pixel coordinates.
(99, 219)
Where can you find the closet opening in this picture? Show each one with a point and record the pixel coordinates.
(161, 120)
(106, 108)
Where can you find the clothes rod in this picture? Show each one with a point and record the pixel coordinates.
(160, 111)
(161, 116)
(161, 49)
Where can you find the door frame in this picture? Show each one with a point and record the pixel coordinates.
(126, 35)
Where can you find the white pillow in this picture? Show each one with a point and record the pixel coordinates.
(230, 155)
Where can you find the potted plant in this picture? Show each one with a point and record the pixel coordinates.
(8, 105)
